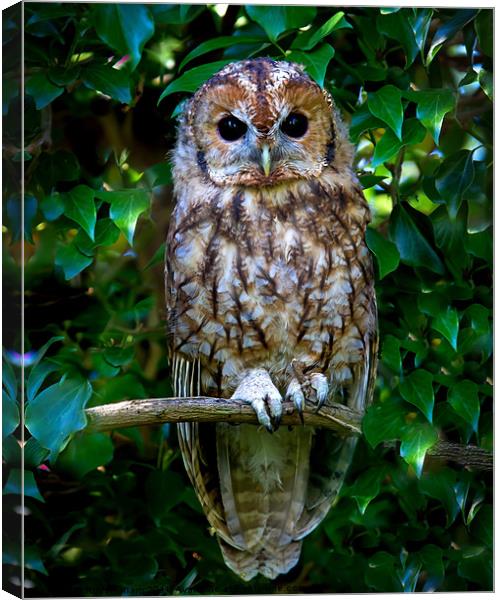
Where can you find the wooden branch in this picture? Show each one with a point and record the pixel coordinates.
(129, 413)
(472, 457)
(337, 417)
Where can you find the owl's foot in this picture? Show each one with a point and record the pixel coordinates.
(257, 389)
(313, 387)
(319, 383)
(296, 395)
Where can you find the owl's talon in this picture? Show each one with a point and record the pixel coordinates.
(319, 383)
(257, 389)
(276, 422)
(296, 395)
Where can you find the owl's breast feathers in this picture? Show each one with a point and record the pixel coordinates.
(258, 277)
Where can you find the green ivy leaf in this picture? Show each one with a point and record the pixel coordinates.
(37, 376)
(420, 26)
(30, 210)
(450, 234)
(417, 389)
(307, 40)
(386, 105)
(415, 441)
(409, 574)
(453, 179)
(476, 565)
(117, 357)
(79, 206)
(315, 62)
(14, 484)
(126, 206)
(366, 487)
(479, 317)
(413, 248)
(432, 106)
(464, 399)
(175, 14)
(164, 491)
(481, 527)
(391, 353)
(381, 574)
(84, 453)
(43, 350)
(107, 80)
(483, 24)
(485, 79)
(34, 453)
(431, 557)
(398, 26)
(124, 27)
(386, 252)
(447, 30)
(481, 244)
(58, 412)
(432, 303)
(71, 260)
(160, 173)
(361, 121)
(106, 234)
(384, 421)
(191, 80)
(10, 90)
(368, 181)
(475, 506)
(54, 167)
(42, 89)
(33, 561)
(9, 380)
(52, 206)
(14, 213)
(447, 324)
(103, 368)
(49, 12)
(11, 451)
(63, 76)
(440, 485)
(275, 20)
(123, 387)
(219, 43)
(389, 144)
(137, 568)
(157, 258)
(469, 77)
(10, 414)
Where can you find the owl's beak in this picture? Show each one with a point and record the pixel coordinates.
(266, 159)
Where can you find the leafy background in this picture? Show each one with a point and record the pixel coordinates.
(113, 513)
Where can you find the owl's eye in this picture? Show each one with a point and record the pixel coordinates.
(295, 125)
(231, 128)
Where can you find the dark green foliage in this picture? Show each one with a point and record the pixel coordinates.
(114, 514)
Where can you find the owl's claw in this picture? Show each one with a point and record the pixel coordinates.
(296, 395)
(313, 387)
(319, 383)
(257, 389)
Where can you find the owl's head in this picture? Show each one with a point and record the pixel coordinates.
(261, 122)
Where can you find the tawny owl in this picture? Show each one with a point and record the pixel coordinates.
(270, 295)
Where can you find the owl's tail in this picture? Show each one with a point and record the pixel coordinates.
(270, 561)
